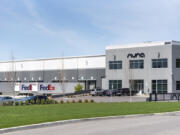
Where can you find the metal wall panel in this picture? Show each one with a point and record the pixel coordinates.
(71, 77)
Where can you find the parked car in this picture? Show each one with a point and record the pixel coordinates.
(6, 99)
(41, 97)
(101, 93)
(118, 93)
(126, 92)
(110, 92)
(96, 92)
(114, 92)
(29, 98)
(93, 92)
(24, 99)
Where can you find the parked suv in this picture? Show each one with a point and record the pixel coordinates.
(101, 93)
(118, 93)
(126, 91)
(97, 92)
(93, 92)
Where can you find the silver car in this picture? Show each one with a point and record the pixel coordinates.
(6, 99)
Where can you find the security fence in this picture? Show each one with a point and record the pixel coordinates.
(164, 97)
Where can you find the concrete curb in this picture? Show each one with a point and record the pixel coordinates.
(63, 122)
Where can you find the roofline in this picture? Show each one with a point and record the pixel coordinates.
(56, 58)
(143, 44)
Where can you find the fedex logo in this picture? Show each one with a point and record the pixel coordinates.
(27, 87)
(47, 87)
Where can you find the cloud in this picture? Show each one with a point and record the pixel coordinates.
(84, 25)
(30, 5)
(69, 36)
(135, 20)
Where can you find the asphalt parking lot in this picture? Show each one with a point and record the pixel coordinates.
(99, 99)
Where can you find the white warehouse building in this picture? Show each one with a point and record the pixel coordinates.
(52, 76)
(146, 67)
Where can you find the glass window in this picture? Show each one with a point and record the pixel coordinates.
(159, 63)
(137, 85)
(159, 86)
(136, 64)
(115, 84)
(115, 64)
(177, 63)
(177, 85)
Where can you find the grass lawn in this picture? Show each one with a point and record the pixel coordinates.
(11, 116)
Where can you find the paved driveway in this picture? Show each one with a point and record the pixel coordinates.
(145, 125)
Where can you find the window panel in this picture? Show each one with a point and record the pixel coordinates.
(136, 64)
(161, 86)
(177, 85)
(159, 63)
(115, 84)
(177, 63)
(115, 64)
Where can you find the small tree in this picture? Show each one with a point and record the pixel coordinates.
(79, 87)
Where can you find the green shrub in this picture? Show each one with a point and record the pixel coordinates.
(47, 101)
(4, 103)
(16, 103)
(80, 101)
(73, 101)
(10, 103)
(86, 101)
(92, 101)
(21, 103)
(32, 102)
(51, 101)
(78, 88)
(62, 101)
(43, 101)
(38, 101)
(55, 102)
(26, 102)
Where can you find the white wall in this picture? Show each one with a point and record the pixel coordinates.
(55, 64)
(147, 73)
(69, 87)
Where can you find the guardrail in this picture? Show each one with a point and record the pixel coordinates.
(164, 96)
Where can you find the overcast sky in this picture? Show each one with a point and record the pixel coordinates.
(50, 28)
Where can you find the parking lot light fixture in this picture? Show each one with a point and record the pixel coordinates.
(111, 92)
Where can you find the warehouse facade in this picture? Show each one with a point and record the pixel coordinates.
(147, 67)
(144, 67)
(51, 76)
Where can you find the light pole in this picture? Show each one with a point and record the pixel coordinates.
(86, 83)
(111, 92)
(130, 81)
(130, 91)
